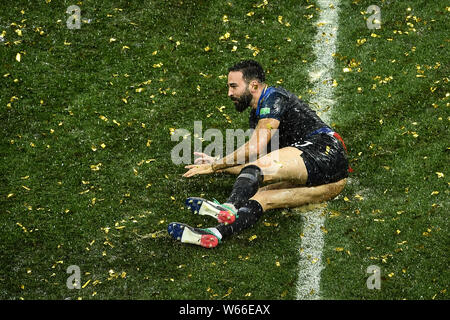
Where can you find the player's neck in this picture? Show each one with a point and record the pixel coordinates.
(257, 96)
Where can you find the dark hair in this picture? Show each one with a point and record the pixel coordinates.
(250, 69)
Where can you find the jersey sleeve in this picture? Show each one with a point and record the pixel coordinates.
(271, 106)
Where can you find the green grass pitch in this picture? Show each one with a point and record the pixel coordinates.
(85, 140)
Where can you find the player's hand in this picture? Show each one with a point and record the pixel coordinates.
(202, 158)
(195, 169)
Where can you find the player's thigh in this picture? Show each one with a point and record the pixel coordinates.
(298, 196)
(284, 164)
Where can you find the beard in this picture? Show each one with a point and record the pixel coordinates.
(243, 102)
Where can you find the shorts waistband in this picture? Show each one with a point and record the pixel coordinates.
(326, 130)
(330, 132)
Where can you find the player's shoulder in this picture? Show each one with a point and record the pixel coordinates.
(279, 93)
(271, 94)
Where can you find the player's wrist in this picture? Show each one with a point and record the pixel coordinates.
(215, 164)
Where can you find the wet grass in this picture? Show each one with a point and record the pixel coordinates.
(393, 113)
(87, 178)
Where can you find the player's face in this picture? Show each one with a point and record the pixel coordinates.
(238, 91)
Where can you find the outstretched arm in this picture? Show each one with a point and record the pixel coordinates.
(252, 149)
(233, 162)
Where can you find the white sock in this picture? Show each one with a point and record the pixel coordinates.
(231, 206)
(215, 232)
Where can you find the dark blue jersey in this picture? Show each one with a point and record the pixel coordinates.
(297, 119)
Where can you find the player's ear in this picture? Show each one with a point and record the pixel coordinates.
(254, 84)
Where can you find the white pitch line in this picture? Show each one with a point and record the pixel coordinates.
(312, 241)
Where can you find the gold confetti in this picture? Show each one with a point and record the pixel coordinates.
(96, 167)
(87, 282)
(18, 57)
(360, 42)
(360, 198)
(225, 36)
(439, 175)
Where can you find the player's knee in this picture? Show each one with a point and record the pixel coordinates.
(336, 188)
(252, 172)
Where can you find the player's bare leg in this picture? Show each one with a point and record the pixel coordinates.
(285, 164)
(274, 196)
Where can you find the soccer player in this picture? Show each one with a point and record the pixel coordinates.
(309, 166)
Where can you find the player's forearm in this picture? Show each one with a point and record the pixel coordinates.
(232, 170)
(237, 158)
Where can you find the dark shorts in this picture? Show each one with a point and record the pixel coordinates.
(325, 159)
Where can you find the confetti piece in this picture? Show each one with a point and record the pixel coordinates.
(85, 285)
(18, 57)
(439, 175)
(225, 36)
(345, 70)
(96, 167)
